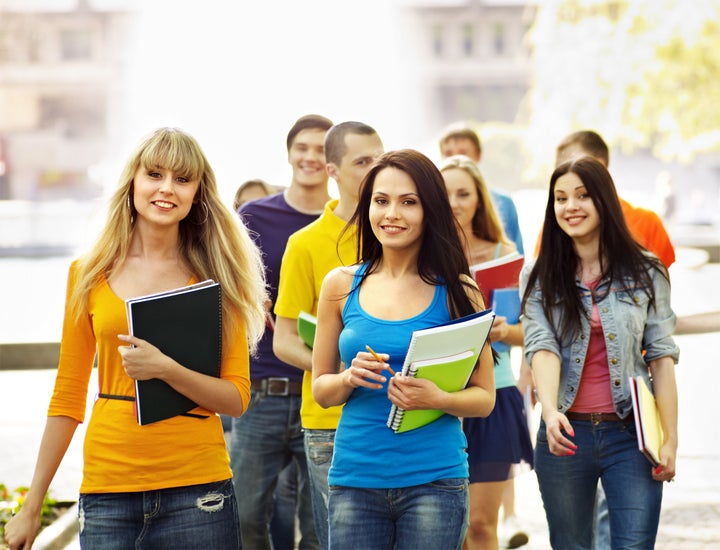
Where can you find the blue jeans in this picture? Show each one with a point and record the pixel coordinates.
(319, 446)
(606, 451)
(282, 525)
(433, 516)
(264, 440)
(201, 516)
(601, 523)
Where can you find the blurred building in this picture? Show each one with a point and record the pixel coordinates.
(473, 59)
(61, 74)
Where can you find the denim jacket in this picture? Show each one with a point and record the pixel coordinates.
(630, 325)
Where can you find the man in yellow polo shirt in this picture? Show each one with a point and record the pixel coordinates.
(311, 252)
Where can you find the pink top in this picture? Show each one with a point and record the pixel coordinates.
(594, 393)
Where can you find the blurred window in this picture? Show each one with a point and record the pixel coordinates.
(75, 44)
(468, 40)
(499, 39)
(438, 40)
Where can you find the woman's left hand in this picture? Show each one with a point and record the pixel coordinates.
(666, 470)
(141, 360)
(412, 393)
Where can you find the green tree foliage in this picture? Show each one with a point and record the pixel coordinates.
(644, 73)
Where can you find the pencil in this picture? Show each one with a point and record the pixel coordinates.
(378, 359)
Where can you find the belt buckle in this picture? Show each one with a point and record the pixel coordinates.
(596, 418)
(278, 386)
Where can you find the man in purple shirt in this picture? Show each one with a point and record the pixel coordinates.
(269, 435)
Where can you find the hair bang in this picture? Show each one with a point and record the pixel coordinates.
(172, 152)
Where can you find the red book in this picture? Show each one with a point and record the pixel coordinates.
(501, 272)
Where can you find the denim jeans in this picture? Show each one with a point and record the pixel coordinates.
(601, 521)
(201, 516)
(433, 516)
(282, 525)
(607, 451)
(319, 445)
(264, 440)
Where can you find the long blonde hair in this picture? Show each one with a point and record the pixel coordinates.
(486, 222)
(212, 240)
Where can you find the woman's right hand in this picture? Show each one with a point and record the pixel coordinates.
(557, 428)
(364, 369)
(21, 530)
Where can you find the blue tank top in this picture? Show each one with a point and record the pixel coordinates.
(369, 454)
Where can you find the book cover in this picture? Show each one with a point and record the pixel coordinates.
(185, 324)
(306, 325)
(506, 303)
(647, 419)
(449, 373)
(446, 340)
(501, 272)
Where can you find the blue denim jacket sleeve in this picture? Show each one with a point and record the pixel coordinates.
(630, 326)
(538, 334)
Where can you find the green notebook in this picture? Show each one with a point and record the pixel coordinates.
(449, 373)
(442, 351)
(306, 325)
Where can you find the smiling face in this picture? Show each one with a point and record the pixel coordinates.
(307, 158)
(396, 214)
(575, 210)
(162, 196)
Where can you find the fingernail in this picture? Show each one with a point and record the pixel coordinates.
(658, 469)
(570, 453)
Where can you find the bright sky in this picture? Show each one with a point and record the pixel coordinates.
(237, 75)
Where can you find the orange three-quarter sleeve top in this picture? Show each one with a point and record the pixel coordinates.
(120, 455)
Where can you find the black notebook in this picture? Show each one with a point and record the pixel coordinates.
(185, 324)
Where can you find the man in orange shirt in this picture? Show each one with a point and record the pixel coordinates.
(645, 225)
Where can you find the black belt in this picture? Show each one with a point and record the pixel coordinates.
(282, 387)
(132, 399)
(596, 418)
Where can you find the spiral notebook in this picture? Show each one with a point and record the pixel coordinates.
(445, 354)
(186, 324)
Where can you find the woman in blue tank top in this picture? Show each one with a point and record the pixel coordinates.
(388, 490)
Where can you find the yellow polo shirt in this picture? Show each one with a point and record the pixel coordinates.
(311, 253)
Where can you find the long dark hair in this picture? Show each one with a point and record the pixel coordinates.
(441, 259)
(623, 261)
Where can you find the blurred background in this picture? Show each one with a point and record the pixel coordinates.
(81, 81)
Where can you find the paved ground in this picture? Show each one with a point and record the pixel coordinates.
(691, 507)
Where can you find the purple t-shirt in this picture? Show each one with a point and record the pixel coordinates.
(271, 220)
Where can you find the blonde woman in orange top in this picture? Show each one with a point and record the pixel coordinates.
(170, 481)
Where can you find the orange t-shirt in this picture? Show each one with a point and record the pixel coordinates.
(120, 455)
(647, 229)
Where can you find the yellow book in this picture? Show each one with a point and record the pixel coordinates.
(647, 419)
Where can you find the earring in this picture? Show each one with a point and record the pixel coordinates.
(130, 209)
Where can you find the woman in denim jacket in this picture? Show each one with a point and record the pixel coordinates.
(596, 312)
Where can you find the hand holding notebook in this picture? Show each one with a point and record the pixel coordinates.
(446, 355)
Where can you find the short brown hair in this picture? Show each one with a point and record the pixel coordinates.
(461, 130)
(307, 122)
